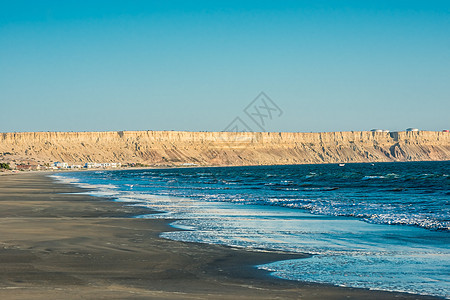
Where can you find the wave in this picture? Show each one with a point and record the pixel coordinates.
(391, 194)
(324, 217)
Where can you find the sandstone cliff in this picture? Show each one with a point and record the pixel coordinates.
(224, 148)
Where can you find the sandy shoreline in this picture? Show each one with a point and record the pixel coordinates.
(55, 243)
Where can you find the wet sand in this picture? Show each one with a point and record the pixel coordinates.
(56, 244)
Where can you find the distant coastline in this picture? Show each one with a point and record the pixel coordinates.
(186, 149)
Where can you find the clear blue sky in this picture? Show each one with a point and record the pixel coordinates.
(195, 65)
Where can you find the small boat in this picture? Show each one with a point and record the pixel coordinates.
(341, 165)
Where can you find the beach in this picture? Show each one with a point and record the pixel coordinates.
(58, 243)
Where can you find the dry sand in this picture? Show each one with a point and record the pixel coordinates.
(58, 245)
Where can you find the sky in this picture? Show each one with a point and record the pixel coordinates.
(196, 65)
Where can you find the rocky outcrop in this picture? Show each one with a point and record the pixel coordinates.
(224, 148)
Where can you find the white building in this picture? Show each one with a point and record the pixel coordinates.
(75, 166)
(60, 165)
(89, 165)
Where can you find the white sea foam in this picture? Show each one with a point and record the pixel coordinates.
(373, 177)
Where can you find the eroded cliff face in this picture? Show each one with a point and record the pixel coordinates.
(224, 148)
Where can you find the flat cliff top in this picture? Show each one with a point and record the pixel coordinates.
(172, 148)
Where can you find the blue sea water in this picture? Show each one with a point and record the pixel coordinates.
(382, 226)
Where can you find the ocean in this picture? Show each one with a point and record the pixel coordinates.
(381, 226)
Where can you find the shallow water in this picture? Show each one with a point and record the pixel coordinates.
(383, 226)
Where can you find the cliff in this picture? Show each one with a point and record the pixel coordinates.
(223, 148)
